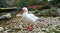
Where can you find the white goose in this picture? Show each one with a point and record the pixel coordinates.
(29, 17)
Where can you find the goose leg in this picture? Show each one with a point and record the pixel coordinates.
(29, 27)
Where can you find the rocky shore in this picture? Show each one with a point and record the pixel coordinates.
(17, 25)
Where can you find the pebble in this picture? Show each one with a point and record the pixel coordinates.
(54, 25)
(34, 27)
(53, 32)
(29, 32)
(20, 26)
(43, 32)
(19, 32)
(22, 30)
(1, 28)
(9, 30)
(34, 30)
(14, 32)
(15, 27)
(6, 28)
(5, 32)
(43, 28)
(47, 29)
(1, 32)
(18, 15)
(39, 32)
(14, 21)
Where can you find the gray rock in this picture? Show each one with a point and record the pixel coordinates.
(20, 26)
(8, 15)
(1, 29)
(19, 32)
(18, 15)
(47, 29)
(15, 27)
(39, 32)
(34, 30)
(29, 32)
(5, 32)
(9, 30)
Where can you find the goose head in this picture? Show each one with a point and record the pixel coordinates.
(24, 9)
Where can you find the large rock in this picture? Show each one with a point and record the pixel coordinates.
(49, 12)
(8, 15)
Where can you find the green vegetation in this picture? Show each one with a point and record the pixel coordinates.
(11, 3)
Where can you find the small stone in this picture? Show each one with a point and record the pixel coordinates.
(22, 30)
(29, 32)
(18, 15)
(34, 30)
(13, 30)
(25, 31)
(1, 28)
(5, 32)
(34, 27)
(39, 29)
(9, 30)
(47, 29)
(15, 27)
(14, 21)
(43, 32)
(53, 32)
(54, 25)
(6, 28)
(1, 32)
(19, 32)
(20, 26)
(39, 32)
(43, 28)
(21, 23)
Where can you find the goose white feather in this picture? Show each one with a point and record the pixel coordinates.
(28, 17)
